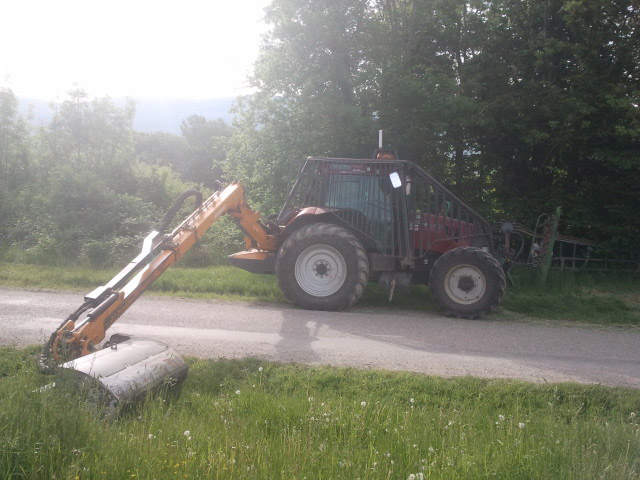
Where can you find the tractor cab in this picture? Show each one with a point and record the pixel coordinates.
(393, 206)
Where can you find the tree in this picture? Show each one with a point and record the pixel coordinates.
(519, 106)
(94, 133)
(425, 87)
(559, 82)
(160, 148)
(15, 162)
(207, 143)
(82, 201)
(310, 100)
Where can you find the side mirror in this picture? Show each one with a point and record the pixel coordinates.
(395, 179)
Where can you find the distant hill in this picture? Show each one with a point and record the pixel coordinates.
(152, 115)
(165, 115)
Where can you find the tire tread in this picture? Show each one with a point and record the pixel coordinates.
(343, 299)
(495, 278)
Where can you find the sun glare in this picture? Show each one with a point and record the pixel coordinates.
(143, 49)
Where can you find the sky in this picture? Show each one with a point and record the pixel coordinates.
(196, 49)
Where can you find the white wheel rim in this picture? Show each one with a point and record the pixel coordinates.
(465, 284)
(320, 270)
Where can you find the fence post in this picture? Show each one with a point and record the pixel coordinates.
(549, 253)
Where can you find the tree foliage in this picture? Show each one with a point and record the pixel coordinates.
(73, 189)
(519, 106)
(207, 143)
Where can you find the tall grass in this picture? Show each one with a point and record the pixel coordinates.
(221, 282)
(70, 277)
(249, 419)
(609, 298)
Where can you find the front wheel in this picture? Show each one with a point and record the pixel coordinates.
(467, 282)
(322, 267)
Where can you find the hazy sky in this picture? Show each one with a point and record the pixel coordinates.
(137, 48)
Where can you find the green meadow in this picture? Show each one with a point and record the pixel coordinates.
(254, 420)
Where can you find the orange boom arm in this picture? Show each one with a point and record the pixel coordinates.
(77, 337)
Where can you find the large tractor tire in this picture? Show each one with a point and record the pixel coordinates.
(467, 282)
(322, 267)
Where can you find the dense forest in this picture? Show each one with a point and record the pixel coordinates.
(518, 106)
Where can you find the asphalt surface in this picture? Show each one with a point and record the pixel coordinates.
(363, 338)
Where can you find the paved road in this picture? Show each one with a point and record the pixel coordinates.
(412, 341)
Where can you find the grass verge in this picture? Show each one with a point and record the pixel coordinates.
(576, 297)
(603, 298)
(250, 419)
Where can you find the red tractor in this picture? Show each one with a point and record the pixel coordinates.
(350, 221)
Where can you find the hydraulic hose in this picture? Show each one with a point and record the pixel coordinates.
(172, 212)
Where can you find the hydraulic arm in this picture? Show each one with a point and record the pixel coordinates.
(85, 328)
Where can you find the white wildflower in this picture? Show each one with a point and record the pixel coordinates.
(363, 404)
(501, 418)
(412, 400)
(237, 392)
(151, 436)
(260, 369)
(632, 414)
(187, 434)
(431, 449)
(521, 425)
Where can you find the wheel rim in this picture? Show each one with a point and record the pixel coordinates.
(465, 284)
(320, 270)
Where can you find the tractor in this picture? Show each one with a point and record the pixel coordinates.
(350, 221)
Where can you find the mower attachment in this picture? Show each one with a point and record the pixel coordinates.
(124, 371)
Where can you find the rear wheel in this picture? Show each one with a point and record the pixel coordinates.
(467, 282)
(322, 267)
